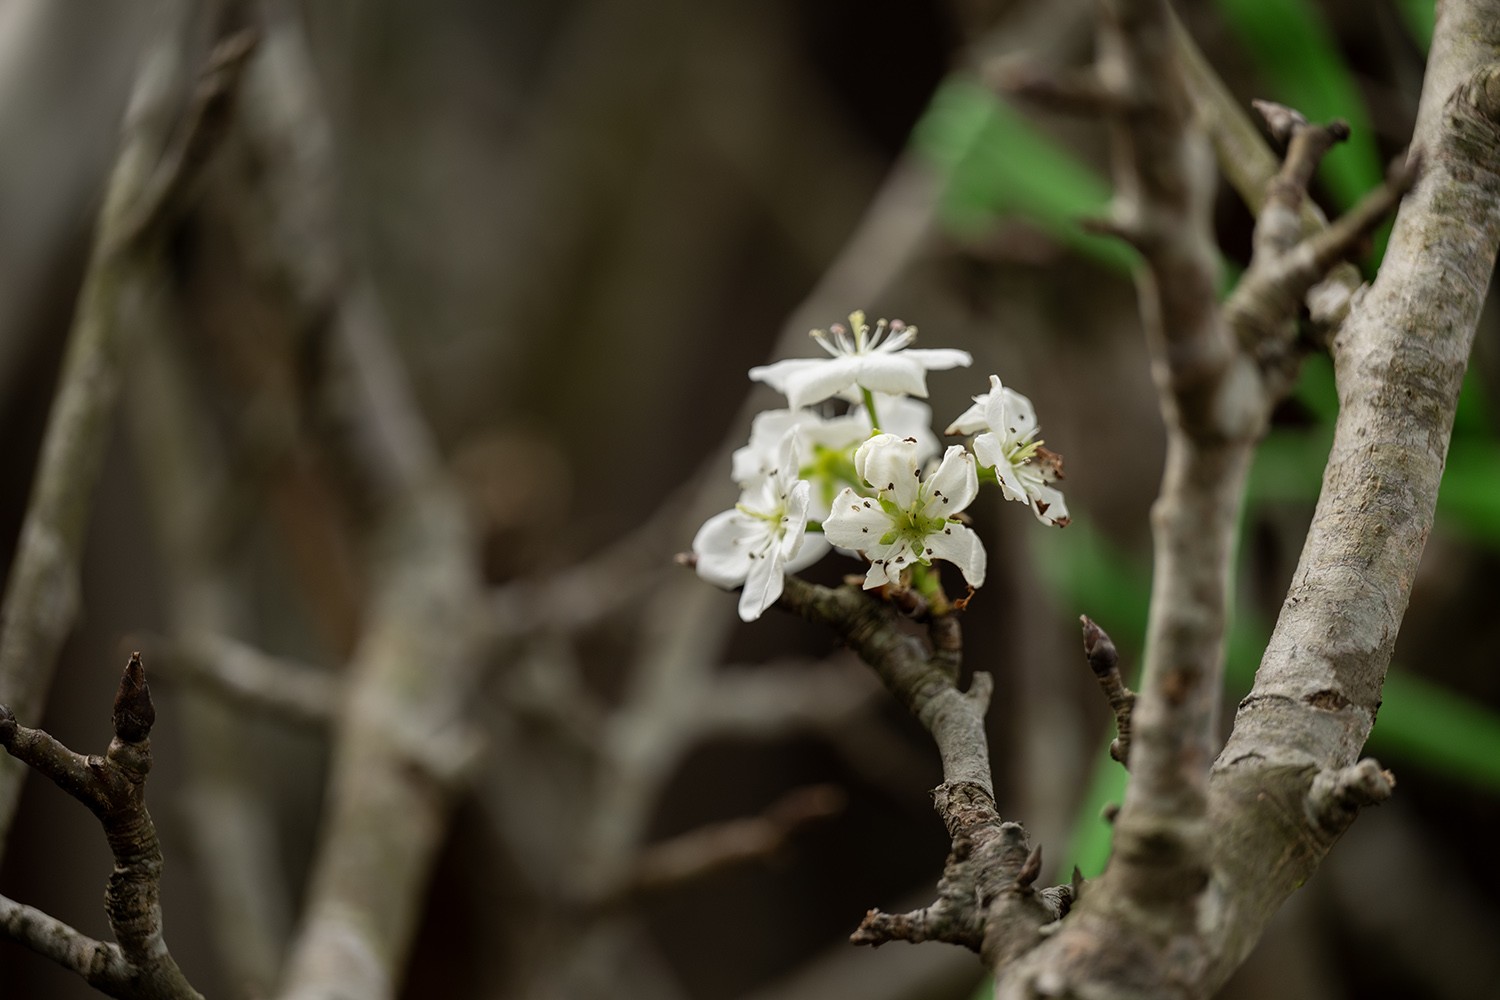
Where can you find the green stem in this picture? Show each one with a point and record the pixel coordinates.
(870, 409)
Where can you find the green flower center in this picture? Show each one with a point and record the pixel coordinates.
(909, 523)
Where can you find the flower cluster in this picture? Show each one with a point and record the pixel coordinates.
(870, 481)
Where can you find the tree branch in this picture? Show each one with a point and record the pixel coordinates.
(1399, 359)
(1215, 406)
(718, 846)
(405, 741)
(1218, 374)
(113, 787)
(42, 590)
(986, 898)
(248, 678)
(1249, 164)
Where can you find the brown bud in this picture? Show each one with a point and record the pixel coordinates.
(134, 714)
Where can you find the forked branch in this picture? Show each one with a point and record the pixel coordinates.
(113, 787)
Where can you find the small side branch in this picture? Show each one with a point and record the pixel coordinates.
(254, 680)
(139, 967)
(1104, 661)
(1338, 795)
(719, 846)
(1289, 260)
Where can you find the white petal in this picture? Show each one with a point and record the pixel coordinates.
(954, 486)
(1049, 505)
(893, 373)
(787, 461)
(960, 546)
(856, 522)
(1012, 483)
(887, 563)
(909, 418)
(763, 585)
(989, 451)
(1009, 414)
(890, 463)
(819, 379)
(938, 359)
(775, 375)
(794, 519)
(757, 459)
(971, 419)
(723, 547)
(814, 547)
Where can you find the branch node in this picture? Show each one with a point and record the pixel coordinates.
(1281, 121)
(1336, 796)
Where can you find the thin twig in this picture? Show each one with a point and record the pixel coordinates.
(719, 846)
(248, 678)
(113, 787)
(1104, 661)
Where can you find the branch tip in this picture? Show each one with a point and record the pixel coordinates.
(1280, 121)
(1337, 795)
(134, 714)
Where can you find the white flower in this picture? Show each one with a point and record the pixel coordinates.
(759, 458)
(869, 360)
(1024, 468)
(1020, 415)
(909, 520)
(762, 538)
(831, 442)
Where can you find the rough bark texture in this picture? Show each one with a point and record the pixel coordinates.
(1400, 358)
(113, 787)
(1287, 783)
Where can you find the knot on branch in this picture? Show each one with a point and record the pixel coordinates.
(1292, 255)
(1473, 113)
(1336, 796)
(987, 894)
(1014, 919)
